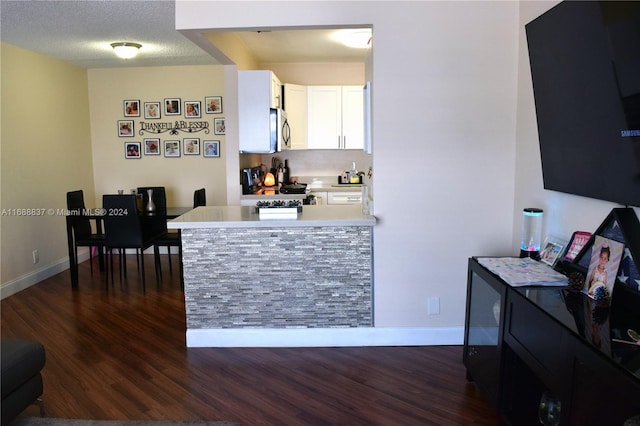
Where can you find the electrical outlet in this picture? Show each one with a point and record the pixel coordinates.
(36, 256)
(434, 306)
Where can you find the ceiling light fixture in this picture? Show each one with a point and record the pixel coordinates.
(125, 49)
(360, 38)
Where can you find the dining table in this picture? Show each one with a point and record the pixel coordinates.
(97, 217)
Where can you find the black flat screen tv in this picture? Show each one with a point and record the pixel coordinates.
(585, 66)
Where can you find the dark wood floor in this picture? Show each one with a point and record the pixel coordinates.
(120, 354)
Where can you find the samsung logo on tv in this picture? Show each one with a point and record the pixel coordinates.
(629, 133)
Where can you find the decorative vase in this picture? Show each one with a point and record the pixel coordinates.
(151, 207)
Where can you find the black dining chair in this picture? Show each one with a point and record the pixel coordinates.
(165, 238)
(125, 229)
(81, 231)
(199, 198)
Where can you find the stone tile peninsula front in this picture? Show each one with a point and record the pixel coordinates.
(280, 282)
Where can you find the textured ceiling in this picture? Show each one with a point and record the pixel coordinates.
(80, 32)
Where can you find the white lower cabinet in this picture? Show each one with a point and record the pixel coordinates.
(321, 197)
(344, 197)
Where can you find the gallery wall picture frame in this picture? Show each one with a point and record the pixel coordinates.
(125, 128)
(152, 110)
(172, 106)
(551, 250)
(132, 108)
(213, 104)
(192, 109)
(191, 146)
(172, 149)
(132, 150)
(219, 127)
(211, 148)
(152, 146)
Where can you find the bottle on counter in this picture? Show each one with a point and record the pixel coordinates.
(280, 177)
(286, 173)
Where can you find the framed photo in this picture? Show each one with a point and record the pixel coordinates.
(191, 109)
(152, 146)
(213, 104)
(125, 128)
(131, 150)
(211, 148)
(132, 108)
(191, 146)
(578, 240)
(172, 148)
(551, 250)
(219, 126)
(172, 106)
(151, 110)
(606, 256)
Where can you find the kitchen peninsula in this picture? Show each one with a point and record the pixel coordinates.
(278, 282)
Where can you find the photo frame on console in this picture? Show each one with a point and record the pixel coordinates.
(606, 256)
(579, 239)
(551, 250)
(622, 226)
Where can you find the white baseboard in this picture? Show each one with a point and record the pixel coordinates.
(34, 277)
(325, 337)
(12, 287)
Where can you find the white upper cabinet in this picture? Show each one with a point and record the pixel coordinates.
(258, 92)
(295, 105)
(353, 117)
(336, 117)
(276, 92)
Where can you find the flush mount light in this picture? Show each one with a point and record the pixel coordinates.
(359, 38)
(125, 49)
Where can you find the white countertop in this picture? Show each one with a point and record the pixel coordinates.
(247, 217)
(329, 184)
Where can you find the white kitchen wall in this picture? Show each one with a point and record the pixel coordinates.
(444, 98)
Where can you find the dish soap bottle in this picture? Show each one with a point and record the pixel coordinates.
(353, 174)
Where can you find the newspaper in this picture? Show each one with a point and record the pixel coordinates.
(523, 272)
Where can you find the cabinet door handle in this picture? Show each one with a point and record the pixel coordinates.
(338, 142)
(344, 142)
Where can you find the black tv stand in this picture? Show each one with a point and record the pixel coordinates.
(523, 342)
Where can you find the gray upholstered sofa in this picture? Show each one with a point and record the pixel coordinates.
(22, 361)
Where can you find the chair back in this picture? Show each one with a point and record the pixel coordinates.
(75, 205)
(159, 197)
(199, 198)
(122, 227)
